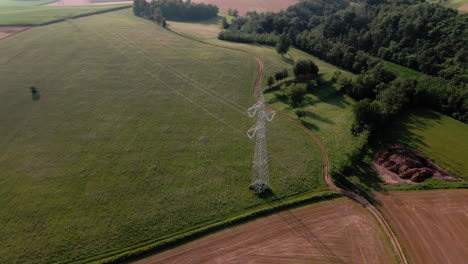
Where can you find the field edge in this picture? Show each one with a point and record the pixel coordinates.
(158, 245)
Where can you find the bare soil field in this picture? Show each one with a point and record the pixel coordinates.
(6, 32)
(431, 225)
(85, 2)
(338, 231)
(397, 163)
(248, 5)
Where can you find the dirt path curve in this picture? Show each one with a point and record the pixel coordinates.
(323, 152)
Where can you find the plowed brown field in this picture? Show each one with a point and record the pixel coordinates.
(247, 5)
(432, 225)
(339, 231)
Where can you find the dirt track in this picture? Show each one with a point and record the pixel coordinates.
(6, 32)
(432, 225)
(338, 231)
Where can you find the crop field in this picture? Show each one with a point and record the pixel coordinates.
(135, 134)
(338, 231)
(249, 5)
(430, 224)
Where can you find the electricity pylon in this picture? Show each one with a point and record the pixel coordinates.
(260, 172)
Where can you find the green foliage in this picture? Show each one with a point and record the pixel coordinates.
(233, 12)
(305, 67)
(296, 93)
(280, 75)
(160, 10)
(283, 45)
(300, 114)
(224, 23)
(242, 37)
(271, 81)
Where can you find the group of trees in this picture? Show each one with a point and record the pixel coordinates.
(356, 34)
(233, 12)
(296, 88)
(160, 10)
(381, 96)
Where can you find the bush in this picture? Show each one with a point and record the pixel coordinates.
(305, 67)
(296, 93)
(280, 75)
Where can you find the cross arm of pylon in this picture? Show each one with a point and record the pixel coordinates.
(252, 131)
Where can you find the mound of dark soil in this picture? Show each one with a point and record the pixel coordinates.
(408, 164)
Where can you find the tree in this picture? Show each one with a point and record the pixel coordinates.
(296, 93)
(224, 23)
(282, 46)
(235, 13)
(271, 81)
(305, 67)
(280, 75)
(300, 114)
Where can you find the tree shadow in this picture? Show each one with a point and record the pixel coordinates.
(310, 125)
(208, 22)
(288, 60)
(403, 125)
(318, 118)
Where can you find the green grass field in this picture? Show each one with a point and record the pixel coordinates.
(38, 15)
(138, 134)
(4, 3)
(443, 139)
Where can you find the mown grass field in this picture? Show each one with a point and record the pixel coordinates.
(137, 134)
(39, 15)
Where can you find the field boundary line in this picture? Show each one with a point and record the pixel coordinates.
(152, 247)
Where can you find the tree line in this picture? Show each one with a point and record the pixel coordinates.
(160, 10)
(427, 37)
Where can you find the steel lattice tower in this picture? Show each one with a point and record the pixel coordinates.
(260, 172)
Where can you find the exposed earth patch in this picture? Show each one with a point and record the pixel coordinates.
(398, 163)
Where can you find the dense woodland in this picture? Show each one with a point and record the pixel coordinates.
(160, 10)
(356, 35)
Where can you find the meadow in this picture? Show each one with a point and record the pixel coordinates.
(135, 134)
(443, 139)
